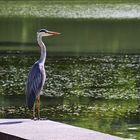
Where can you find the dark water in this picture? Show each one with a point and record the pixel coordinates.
(78, 35)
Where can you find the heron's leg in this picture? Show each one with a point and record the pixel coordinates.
(34, 111)
(38, 106)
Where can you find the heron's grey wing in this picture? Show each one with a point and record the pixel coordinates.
(34, 85)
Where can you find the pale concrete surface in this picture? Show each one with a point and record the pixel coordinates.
(49, 130)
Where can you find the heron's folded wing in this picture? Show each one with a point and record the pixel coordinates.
(35, 80)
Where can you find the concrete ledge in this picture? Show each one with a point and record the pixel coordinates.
(22, 129)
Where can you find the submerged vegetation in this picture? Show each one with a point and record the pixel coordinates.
(100, 76)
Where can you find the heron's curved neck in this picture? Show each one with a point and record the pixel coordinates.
(42, 48)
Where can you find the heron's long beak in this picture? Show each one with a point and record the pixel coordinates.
(51, 33)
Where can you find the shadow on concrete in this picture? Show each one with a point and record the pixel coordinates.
(8, 123)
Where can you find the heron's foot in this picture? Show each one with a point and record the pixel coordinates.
(38, 118)
(43, 118)
(34, 118)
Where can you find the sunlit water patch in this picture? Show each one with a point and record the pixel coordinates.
(68, 9)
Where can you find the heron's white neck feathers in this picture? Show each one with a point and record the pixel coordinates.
(42, 48)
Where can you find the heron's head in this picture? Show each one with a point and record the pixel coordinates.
(44, 32)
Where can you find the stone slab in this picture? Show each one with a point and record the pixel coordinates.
(48, 130)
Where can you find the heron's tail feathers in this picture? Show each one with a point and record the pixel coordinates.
(30, 101)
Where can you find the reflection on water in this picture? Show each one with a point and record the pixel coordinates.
(78, 36)
(76, 89)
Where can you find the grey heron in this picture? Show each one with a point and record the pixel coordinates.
(36, 77)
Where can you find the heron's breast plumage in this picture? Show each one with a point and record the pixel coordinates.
(42, 69)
